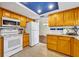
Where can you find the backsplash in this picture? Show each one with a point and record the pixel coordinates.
(59, 30)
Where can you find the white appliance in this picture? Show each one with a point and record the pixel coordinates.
(10, 22)
(12, 41)
(33, 29)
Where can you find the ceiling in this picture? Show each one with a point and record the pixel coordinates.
(41, 7)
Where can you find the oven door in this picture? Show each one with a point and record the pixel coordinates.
(12, 42)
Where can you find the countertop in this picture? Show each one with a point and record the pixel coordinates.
(73, 36)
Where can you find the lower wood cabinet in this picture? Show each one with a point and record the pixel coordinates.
(59, 43)
(76, 48)
(52, 42)
(25, 40)
(64, 45)
(1, 46)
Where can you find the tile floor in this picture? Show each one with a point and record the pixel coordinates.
(39, 50)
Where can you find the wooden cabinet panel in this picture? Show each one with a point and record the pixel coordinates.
(15, 16)
(52, 42)
(65, 18)
(76, 48)
(77, 16)
(64, 45)
(23, 21)
(1, 16)
(52, 20)
(1, 46)
(25, 40)
(69, 19)
(52, 46)
(6, 13)
(60, 19)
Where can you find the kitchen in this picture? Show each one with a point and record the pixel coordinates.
(26, 30)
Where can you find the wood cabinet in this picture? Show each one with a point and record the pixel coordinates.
(52, 42)
(59, 19)
(52, 20)
(64, 18)
(1, 16)
(6, 13)
(77, 15)
(15, 16)
(23, 21)
(76, 48)
(64, 45)
(1, 46)
(69, 18)
(25, 40)
(59, 43)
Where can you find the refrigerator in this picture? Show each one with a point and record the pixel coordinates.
(33, 29)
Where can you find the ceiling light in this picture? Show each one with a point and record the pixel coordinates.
(39, 11)
(51, 6)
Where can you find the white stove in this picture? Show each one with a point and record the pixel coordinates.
(12, 41)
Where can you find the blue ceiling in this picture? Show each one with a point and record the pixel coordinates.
(41, 7)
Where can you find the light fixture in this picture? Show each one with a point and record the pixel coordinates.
(39, 10)
(51, 6)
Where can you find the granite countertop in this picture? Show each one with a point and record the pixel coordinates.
(73, 36)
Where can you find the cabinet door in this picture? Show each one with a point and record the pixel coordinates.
(60, 20)
(25, 40)
(52, 20)
(52, 42)
(1, 16)
(76, 48)
(69, 19)
(64, 45)
(77, 16)
(1, 47)
(23, 21)
(6, 13)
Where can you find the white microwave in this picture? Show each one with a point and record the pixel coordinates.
(10, 22)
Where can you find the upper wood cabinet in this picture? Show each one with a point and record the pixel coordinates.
(77, 15)
(23, 21)
(15, 16)
(6, 13)
(52, 20)
(59, 19)
(69, 18)
(64, 18)
(1, 16)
